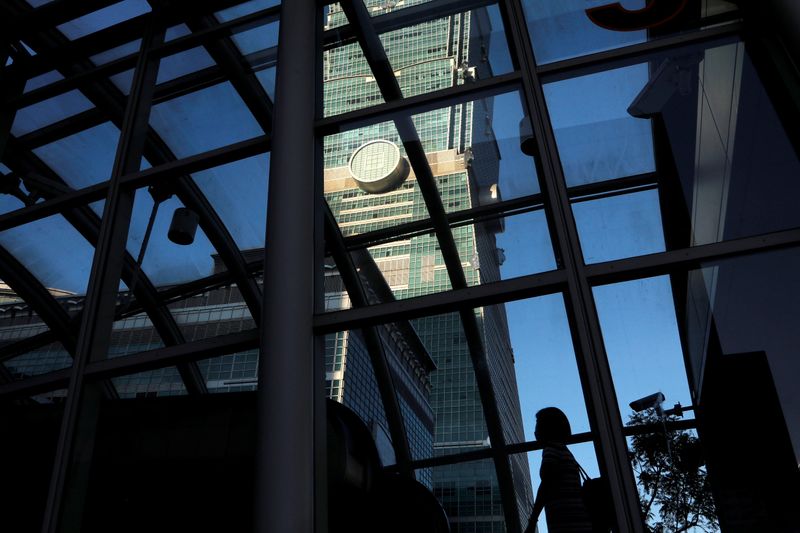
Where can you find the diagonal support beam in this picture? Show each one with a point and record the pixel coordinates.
(377, 354)
(381, 68)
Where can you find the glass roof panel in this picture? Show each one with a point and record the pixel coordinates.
(84, 158)
(620, 226)
(256, 39)
(173, 32)
(38, 243)
(562, 29)
(43, 80)
(597, 138)
(118, 52)
(171, 67)
(104, 18)
(348, 362)
(244, 8)
(480, 141)
(188, 128)
(183, 63)
(238, 193)
(44, 113)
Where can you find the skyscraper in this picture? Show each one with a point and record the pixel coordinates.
(460, 147)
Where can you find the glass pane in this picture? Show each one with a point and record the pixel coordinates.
(238, 193)
(104, 18)
(715, 342)
(37, 244)
(540, 370)
(473, 166)
(245, 8)
(619, 226)
(350, 380)
(459, 424)
(43, 80)
(562, 29)
(597, 138)
(187, 127)
(44, 113)
(84, 158)
(698, 129)
(425, 57)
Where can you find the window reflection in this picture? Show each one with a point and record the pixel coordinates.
(700, 127)
(562, 29)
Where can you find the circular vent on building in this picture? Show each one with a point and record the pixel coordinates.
(378, 167)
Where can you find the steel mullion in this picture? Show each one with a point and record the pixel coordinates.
(443, 302)
(87, 224)
(167, 356)
(687, 258)
(506, 208)
(473, 215)
(108, 97)
(95, 332)
(584, 322)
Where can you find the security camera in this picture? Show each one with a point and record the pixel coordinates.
(652, 401)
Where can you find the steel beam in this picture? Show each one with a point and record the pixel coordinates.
(291, 420)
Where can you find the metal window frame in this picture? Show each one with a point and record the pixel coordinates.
(575, 279)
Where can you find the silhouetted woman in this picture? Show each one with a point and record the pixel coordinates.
(560, 487)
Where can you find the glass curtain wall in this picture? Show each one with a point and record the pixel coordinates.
(522, 204)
